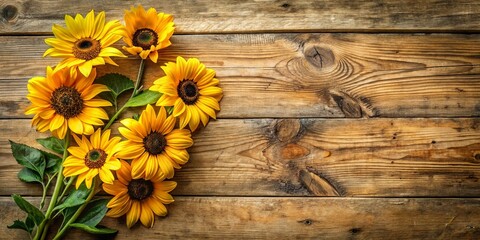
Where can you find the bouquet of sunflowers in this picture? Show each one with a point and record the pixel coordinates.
(84, 156)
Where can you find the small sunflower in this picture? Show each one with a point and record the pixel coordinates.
(191, 89)
(93, 157)
(138, 198)
(85, 42)
(65, 99)
(147, 32)
(153, 144)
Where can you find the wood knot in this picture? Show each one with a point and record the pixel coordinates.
(349, 106)
(9, 12)
(355, 231)
(287, 129)
(319, 57)
(292, 151)
(306, 221)
(477, 156)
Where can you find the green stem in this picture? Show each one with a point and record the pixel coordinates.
(44, 195)
(139, 78)
(134, 93)
(45, 189)
(58, 186)
(79, 211)
(69, 183)
(44, 234)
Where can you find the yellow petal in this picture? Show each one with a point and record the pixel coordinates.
(106, 175)
(146, 216)
(118, 200)
(163, 196)
(124, 173)
(85, 68)
(151, 167)
(210, 102)
(120, 210)
(133, 214)
(74, 171)
(166, 165)
(75, 125)
(165, 186)
(179, 156)
(139, 165)
(195, 118)
(157, 207)
(56, 122)
(115, 188)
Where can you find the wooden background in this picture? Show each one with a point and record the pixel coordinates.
(341, 119)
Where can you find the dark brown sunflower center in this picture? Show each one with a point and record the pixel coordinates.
(188, 91)
(139, 189)
(154, 143)
(95, 158)
(144, 38)
(66, 101)
(86, 48)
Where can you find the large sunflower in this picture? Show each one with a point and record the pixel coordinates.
(191, 89)
(85, 42)
(92, 158)
(65, 99)
(153, 144)
(138, 198)
(147, 32)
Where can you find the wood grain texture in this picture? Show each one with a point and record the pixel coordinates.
(300, 75)
(204, 16)
(291, 157)
(305, 218)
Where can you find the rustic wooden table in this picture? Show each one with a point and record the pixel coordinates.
(340, 119)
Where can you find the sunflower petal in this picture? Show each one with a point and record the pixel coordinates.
(134, 214)
(146, 216)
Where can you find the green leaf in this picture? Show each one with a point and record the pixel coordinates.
(17, 224)
(93, 230)
(136, 116)
(53, 162)
(30, 223)
(169, 110)
(29, 157)
(33, 212)
(67, 214)
(144, 98)
(75, 198)
(52, 143)
(29, 176)
(94, 212)
(117, 83)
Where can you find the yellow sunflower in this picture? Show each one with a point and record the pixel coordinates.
(153, 144)
(65, 99)
(147, 32)
(85, 42)
(93, 157)
(138, 198)
(191, 89)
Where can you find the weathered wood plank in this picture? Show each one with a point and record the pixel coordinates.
(290, 157)
(37, 17)
(306, 75)
(282, 218)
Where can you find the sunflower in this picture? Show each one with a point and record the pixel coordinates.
(191, 89)
(65, 99)
(92, 158)
(147, 32)
(153, 144)
(138, 198)
(85, 42)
